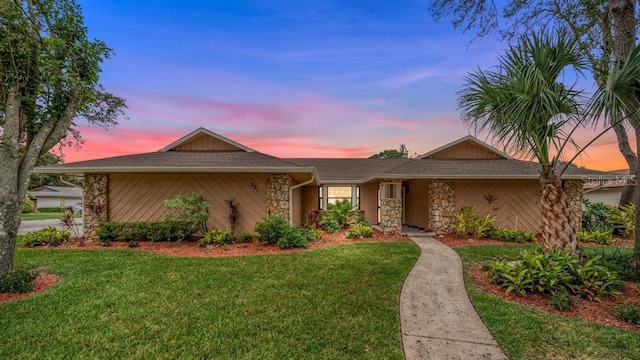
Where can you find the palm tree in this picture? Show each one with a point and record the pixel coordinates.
(525, 106)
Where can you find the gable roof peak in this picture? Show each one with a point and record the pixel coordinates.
(207, 132)
(471, 139)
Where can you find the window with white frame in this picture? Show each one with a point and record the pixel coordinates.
(329, 194)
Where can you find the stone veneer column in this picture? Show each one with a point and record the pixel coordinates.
(278, 195)
(391, 216)
(574, 190)
(441, 206)
(95, 203)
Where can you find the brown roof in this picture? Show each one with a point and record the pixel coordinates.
(212, 161)
(480, 168)
(351, 169)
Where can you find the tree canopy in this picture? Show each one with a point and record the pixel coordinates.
(402, 152)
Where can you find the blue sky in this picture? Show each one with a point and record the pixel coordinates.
(288, 78)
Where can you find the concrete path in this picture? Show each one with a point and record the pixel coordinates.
(437, 318)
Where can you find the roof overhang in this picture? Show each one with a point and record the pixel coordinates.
(108, 170)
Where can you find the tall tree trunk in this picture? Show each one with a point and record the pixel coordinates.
(557, 227)
(10, 208)
(635, 259)
(632, 163)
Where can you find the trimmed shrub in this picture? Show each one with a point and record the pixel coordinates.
(629, 313)
(29, 206)
(50, 209)
(328, 223)
(296, 237)
(217, 237)
(360, 231)
(50, 235)
(17, 282)
(554, 272)
(244, 237)
(166, 230)
(272, 228)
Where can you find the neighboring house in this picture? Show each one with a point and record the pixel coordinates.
(607, 191)
(424, 192)
(56, 196)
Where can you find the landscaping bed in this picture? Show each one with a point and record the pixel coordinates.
(601, 312)
(42, 282)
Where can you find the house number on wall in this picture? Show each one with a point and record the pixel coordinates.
(254, 187)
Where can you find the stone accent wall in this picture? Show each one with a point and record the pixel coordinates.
(574, 190)
(278, 195)
(96, 203)
(391, 216)
(441, 206)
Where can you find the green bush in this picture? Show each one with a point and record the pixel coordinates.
(337, 216)
(272, 228)
(17, 282)
(51, 209)
(623, 220)
(629, 313)
(244, 237)
(166, 230)
(50, 235)
(469, 223)
(596, 215)
(217, 237)
(192, 207)
(29, 206)
(556, 271)
(614, 259)
(561, 301)
(510, 235)
(296, 237)
(598, 235)
(360, 231)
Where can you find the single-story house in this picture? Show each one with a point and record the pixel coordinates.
(424, 192)
(56, 196)
(607, 191)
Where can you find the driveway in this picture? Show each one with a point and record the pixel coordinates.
(31, 225)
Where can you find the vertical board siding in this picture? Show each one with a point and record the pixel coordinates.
(369, 201)
(518, 201)
(296, 211)
(417, 203)
(140, 197)
(465, 150)
(204, 142)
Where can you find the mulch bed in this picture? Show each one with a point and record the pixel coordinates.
(603, 312)
(191, 248)
(43, 281)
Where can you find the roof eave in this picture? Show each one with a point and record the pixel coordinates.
(95, 170)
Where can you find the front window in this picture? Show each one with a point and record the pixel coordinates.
(332, 194)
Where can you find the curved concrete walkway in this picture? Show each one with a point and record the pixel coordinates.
(436, 315)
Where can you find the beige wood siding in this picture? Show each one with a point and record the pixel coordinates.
(309, 200)
(417, 203)
(138, 197)
(369, 201)
(296, 213)
(204, 142)
(517, 201)
(465, 150)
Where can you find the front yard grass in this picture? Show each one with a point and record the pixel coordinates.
(42, 216)
(338, 302)
(527, 333)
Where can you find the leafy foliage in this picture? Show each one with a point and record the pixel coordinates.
(598, 235)
(554, 272)
(296, 237)
(68, 221)
(337, 216)
(217, 237)
(192, 207)
(17, 282)
(561, 301)
(275, 230)
(469, 223)
(402, 152)
(613, 258)
(29, 206)
(50, 235)
(629, 313)
(510, 235)
(244, 237)
(360, 231)
(623, 219)
(596, 215)
(166, 230)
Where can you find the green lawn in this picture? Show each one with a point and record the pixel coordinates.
(41, 216)
(338, 302)
(527, 333)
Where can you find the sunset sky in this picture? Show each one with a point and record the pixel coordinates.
(316, 78)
